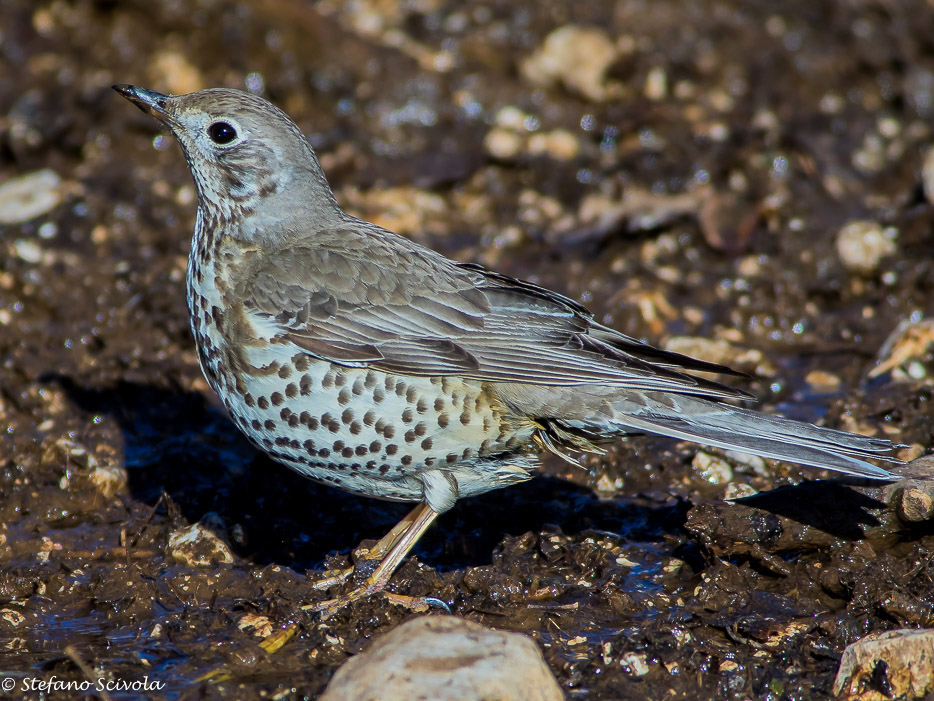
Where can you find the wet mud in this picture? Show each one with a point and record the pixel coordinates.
(688, 170)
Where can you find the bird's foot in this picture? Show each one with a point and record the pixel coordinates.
(417, 604)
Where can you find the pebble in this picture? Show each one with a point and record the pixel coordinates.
(711, 468)
(198, 546)
(560, 144)
(905, 657)
(445, 658)
(576, 57)
(915, 503)
(863, 244)
(503, 144)
(29, 196)
(722, 352)
(927, 175)
(109, 479)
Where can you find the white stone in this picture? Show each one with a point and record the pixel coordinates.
(445, 658)
(29, 196)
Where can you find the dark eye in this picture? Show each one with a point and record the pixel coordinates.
(222, 133)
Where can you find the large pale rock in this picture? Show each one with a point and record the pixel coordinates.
(444, 658)
(908, 656)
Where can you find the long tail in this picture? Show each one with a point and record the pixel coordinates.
(726, 426)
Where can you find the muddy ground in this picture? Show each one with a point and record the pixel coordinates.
(685, 171)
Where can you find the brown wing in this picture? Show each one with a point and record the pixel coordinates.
(384, 302)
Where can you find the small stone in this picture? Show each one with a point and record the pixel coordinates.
(511, 117)
(927, 174)
(109, 479)
(905, 657)
(656, 84)
(29, 196)
(722, 352)
(198, 546)
(863, 244)
(28, 250)
(503, 144)
(560, 144)
(711, 468)
(635, 663)
(823, 380)
(445, 658)
(180, 75)
(578, 58)
(738, 490)
(916, 504)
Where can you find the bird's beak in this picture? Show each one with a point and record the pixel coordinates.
(149, 101)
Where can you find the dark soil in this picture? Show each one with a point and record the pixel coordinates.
(783, 120)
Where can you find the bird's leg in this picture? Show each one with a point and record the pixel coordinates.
(364, 556)
(391, 550)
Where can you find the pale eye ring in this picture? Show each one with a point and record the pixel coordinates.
(222, 133)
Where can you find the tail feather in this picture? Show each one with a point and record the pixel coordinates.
(735, 428)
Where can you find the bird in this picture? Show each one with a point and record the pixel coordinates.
(376, 365)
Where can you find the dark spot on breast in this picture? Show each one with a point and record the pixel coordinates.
(334, 426)
(293, 421)
(378, 395)
(262, 403)
(338, 446)
(343, 398)
(291, 390)
(301, 362)
(409, 436)
(421, 406)
(285, 372)
(357, 386)
(443, 420)
(375, 447)
(406, 460)
(323, 453)
(347, 416)
(383, 469)
(340, 380)
(355, 428)
(408, 416)
(269, 425)
(466, 453)
(411, 395)
(276, 398)
(426, 444)
(369, 418)
(451, 458)
(370, 381)
(465, 417)
(392, 449)
(285, 413)
(328, 380)
(439, 404)
(256, 424)
(420, 429)
(347, 452)
(360, 450)
(389, 432)
(248, 400)
(306, 384)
